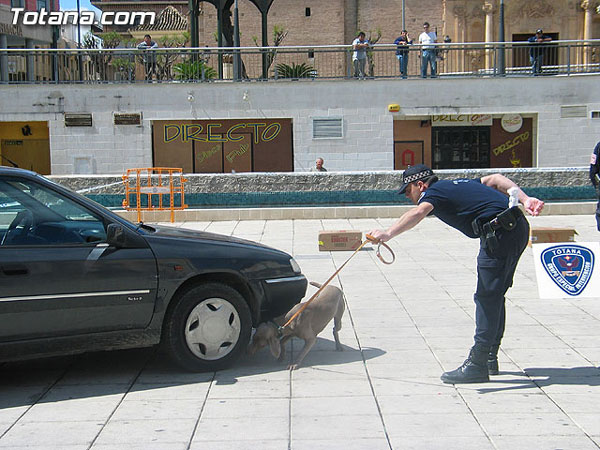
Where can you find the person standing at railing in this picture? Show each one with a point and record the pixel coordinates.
(427, 39)
(536, 51)
(402, 42)
(594, 170)
(149, 57)
(359, 56)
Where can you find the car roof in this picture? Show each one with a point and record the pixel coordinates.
(5, 170)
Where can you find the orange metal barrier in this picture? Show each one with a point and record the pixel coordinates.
(149, 186)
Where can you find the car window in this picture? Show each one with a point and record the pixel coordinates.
(33, 214)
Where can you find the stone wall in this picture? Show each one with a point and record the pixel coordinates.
(331, 188)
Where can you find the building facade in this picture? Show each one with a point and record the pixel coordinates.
(222, 127)
(337, 21)
(26, 36)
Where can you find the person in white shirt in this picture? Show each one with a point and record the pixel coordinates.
(148, 58)
(428, 53)
(359, 56)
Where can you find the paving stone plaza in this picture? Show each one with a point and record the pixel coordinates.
(404, 325)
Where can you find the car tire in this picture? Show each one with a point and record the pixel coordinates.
(208, 327)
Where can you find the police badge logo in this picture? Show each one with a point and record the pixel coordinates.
(569, 266)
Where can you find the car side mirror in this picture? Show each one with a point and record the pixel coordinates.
(119, 236)
(115, 235)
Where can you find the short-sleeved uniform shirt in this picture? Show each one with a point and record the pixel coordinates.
(459, 202)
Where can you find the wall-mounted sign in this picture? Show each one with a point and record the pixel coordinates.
(511, 149)
(511, 122)
(224, 145)
(461, 120)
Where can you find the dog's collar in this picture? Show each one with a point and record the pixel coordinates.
(277, 328)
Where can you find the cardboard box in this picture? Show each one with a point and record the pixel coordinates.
(540, 235)
(339, 240)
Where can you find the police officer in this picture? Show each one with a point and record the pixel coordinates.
(479, 209)
(594, 169)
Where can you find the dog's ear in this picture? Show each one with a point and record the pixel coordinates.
(275, 346)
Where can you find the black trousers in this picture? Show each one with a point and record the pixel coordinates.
(495, 271)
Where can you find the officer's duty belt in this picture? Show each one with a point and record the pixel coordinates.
(486, 229)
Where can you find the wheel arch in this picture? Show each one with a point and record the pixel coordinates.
(230, 279)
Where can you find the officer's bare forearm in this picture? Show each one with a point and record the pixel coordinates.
(408, 220)
(499, 182)
(503, 184)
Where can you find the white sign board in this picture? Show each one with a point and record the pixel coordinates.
(511, 123)
(567, 270)
(155, 190)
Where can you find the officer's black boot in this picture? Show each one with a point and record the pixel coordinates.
(473, 370)
(492, 362)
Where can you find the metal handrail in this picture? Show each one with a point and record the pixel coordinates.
(128, 65)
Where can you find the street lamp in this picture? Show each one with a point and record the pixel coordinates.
(78, 25)
(403, 14)
(236, 43)
(79, 58)
(502, 49)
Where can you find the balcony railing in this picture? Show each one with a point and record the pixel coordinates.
(129, 65)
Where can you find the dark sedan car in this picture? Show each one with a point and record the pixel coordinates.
(76, 277)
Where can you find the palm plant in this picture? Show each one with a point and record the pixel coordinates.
(193, 70)
(294, 70)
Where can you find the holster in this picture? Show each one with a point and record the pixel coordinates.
(486, 229)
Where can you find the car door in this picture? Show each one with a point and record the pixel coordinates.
(58, 275)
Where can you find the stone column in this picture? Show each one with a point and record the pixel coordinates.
(29, 62)
(3, 59)
(488, 10)
(458, 63)
(588, 7)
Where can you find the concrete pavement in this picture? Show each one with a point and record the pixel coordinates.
(405, 324)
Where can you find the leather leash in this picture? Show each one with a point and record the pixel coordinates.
(369, 240)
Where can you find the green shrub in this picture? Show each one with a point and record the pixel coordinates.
(193, 70)
(294, 71)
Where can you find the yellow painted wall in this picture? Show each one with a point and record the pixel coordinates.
(27, 144)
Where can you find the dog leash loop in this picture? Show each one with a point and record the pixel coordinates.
(380, 243)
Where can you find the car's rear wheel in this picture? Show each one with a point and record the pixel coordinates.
(208, 327)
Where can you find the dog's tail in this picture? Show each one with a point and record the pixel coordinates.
(315, 284)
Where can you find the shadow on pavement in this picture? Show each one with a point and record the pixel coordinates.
(546, 376)
(103, 374)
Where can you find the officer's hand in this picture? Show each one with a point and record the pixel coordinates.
(380, 235)
(533, 206)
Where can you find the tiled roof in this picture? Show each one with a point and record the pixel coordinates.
(169, 19)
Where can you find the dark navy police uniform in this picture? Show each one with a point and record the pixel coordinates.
(458, 203)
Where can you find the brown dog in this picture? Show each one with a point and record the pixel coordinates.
(329, 304)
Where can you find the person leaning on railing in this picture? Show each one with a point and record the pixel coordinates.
(536, 51)
(359, 56)
(402, 42)
(149, 58)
